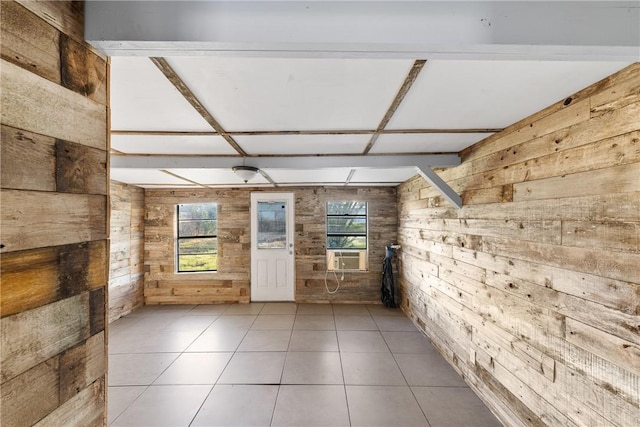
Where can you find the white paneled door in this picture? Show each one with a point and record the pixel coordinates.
(272, 251)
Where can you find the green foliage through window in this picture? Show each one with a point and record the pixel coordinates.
(346, 225)
(197, 246)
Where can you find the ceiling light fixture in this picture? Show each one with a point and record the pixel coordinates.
(245, 172)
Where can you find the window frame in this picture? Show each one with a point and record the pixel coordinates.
(347, 216)
(213, 237)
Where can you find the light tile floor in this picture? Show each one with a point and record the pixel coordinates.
(282, 364)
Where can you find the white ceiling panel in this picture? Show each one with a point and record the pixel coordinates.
(425, 142)
(216, 176)
(293, 93)
(303, 144)
(168, 144)
(397, 175)
(144, 176)
(143, 99)
(333, 175)
(491, 94)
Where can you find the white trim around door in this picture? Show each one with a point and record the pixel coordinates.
(272, 246)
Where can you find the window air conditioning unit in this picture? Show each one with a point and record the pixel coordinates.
(347, 260)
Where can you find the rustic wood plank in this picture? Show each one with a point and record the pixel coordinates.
(126, 294)
(518, 358)
(620, 266)
(84, 409)
(619, 179)
(612, 124)
(81, 365)
(602, 374)
(612, 293)
(600, 207)
(483, 147)
(34, 219)
(82, 71)
(32, 395)
(629, 87)
(32, 337)
(67, 16)
(541, 231)
(623, 236)
(603, 400)
(574, 112)
(499, 194)
(97, 308)
(37, 277)
(545, 409)
(616, 98)
(607, 346)
(615, 382)
(197, 299)
(619, 150)
(80, 169)
(37, 105)
(609, 320)
(513, 409)
(28, 160)
(28, 42)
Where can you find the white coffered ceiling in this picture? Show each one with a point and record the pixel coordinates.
(321, 106)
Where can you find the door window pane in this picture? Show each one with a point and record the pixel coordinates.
(272, 225)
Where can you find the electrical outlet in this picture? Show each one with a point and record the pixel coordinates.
(472, 356)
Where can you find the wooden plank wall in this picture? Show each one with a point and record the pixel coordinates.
(532, 289)
(232, 281)
(54, 215)
(126, 266)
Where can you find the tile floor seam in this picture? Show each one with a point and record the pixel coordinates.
(344, 382)
(419, 405)
(202, 404)
(131, 403)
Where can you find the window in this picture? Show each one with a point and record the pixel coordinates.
(197, 246)
(346, 235)
(346, 225)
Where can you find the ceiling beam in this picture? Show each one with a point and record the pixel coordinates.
(267, 177)
(406, 85)
(180, 85)
(483, 30)
(439, 184)
(305, 132)
(284, 162)
(422, 163)
(182, 178)
(350, 177)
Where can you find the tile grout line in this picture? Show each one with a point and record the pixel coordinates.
(344, 382)
(218, 378)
